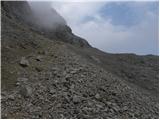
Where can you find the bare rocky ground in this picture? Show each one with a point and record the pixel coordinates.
(72, 88)
(46, 78)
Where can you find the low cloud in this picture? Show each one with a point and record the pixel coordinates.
(44, 15)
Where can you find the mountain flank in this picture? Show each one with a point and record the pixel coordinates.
(52, 73)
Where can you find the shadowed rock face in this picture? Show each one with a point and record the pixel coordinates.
(46, 74)
(58, 29)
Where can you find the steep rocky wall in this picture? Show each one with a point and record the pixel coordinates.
(21, 11)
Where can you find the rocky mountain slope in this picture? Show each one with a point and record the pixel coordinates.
(55, 74)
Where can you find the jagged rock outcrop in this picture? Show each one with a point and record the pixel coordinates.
(62, 80)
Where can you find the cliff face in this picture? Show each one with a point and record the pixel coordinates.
(51, 73)
(57, 30)
(16, 10)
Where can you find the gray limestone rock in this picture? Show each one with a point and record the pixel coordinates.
(76, 99)
(25, 91)
(24, 62)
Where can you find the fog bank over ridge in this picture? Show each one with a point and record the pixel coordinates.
(45, 15)
(116, 27)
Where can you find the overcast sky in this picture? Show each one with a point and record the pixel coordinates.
(116, 27)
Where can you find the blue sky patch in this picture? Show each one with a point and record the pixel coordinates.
(125, 13)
